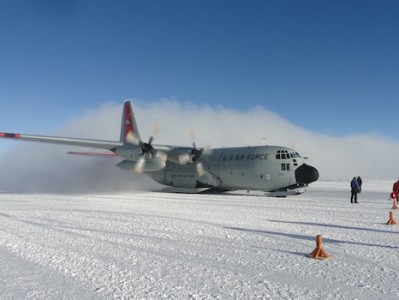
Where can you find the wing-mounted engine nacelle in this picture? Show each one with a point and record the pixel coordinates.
(184, 156)
(152, 164)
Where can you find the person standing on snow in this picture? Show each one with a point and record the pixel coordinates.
(395, 190)
(355, 190)
(359, 182)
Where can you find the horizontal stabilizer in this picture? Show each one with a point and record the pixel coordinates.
(142, 165)
(98, 154)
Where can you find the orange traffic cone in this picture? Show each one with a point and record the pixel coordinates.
(391, 220)
(319, 252)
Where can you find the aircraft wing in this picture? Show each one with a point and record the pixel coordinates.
(89, 143)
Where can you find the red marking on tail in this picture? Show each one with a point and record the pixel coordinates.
(128, 119)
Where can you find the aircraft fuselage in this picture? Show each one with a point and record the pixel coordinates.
(265, 168)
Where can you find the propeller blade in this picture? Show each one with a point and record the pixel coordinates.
(184, 158)
(208, 150)
(162, 155)
(132, 139)
(155, 130)
(138, 168)
(191, 132)
(200, 169)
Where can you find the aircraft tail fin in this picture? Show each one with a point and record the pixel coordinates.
(129, 129)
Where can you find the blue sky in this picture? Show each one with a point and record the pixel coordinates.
(330, 67)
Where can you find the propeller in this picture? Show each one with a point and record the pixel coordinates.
(194, 156)
(150, 159)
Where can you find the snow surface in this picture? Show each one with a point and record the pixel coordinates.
(241, 246)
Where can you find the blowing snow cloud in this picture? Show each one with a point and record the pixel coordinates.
(35, 167)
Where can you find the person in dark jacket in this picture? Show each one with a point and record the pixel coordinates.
(354, 190)
(359, 182)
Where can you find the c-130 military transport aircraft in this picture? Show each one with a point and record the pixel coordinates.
(277, 171)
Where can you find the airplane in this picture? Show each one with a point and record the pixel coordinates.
(275, 170)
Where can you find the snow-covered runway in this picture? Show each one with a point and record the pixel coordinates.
(239, 246)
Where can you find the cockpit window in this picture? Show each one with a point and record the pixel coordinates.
(295, 154)
(284, 154)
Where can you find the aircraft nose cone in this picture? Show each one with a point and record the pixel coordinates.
(306, 174)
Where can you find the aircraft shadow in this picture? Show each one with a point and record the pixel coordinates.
(309, 238)
(333, 226)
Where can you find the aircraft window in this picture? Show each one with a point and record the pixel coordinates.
(297, 154)
(285, 167)
(284, 154)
